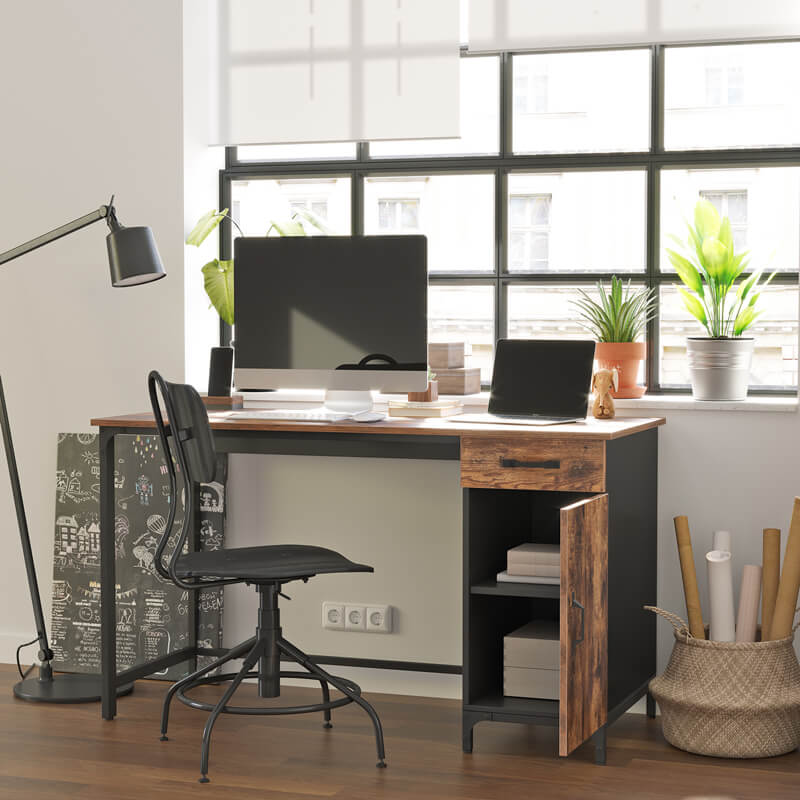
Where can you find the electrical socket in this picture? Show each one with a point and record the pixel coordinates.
(379, 619)
(355, 618)
(333, 616)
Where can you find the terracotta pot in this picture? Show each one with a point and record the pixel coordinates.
(625, 358)
(428, 396)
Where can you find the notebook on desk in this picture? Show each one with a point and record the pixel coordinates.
(538, 382)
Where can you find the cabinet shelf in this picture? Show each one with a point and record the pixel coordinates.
(511, 589)
(520, 706)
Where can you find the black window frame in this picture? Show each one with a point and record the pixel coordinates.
(652, 162)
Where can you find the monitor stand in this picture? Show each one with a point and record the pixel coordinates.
(348, 401)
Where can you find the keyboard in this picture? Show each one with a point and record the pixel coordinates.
(299, 414)
(306, 415)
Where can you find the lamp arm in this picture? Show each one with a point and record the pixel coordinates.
(64, 230)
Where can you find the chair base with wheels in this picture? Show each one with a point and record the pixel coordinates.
(189, 440)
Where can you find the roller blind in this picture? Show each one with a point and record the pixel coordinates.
(540, 24)
(333, 70)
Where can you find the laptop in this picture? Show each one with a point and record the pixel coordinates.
(538, 382)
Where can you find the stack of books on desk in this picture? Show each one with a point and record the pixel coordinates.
(436, 408)
(533, 563)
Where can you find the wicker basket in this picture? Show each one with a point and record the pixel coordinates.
(729, 699)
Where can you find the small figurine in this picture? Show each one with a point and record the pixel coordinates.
(602, 381)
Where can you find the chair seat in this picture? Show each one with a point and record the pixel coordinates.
(282, 562)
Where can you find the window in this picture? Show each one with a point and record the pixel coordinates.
(530, 231)
(570, 187)
(398, 215)
(731, 204)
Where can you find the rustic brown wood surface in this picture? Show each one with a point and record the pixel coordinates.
(506, 462)
(53, 752)
(590, 429)
(584, 664)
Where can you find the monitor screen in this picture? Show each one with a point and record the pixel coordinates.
(550, 378)
(312, 305)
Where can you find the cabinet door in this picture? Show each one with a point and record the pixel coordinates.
(583, 692)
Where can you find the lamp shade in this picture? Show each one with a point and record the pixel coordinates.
(133, 256)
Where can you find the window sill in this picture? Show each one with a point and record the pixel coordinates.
(480, 402)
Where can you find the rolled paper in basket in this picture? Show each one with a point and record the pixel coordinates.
(720, 596)
(721, 540)
(786, 601)
(749, 595)
(770, 576)
(689, 575)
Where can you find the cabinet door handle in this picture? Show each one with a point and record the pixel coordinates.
(515, 463)
(576, 604)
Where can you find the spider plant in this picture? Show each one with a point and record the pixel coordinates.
(218, 274)
(621, 314)
(709, 270)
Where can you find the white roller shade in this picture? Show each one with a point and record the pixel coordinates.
(286, 71)
(540, 24)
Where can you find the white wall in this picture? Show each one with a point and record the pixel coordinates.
(91, 105)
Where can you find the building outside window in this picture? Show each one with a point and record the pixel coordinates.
(398, 215)
(530, 231)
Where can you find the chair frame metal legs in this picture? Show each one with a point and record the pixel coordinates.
(266, 649)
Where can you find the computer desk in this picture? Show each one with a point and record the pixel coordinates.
(592, 486)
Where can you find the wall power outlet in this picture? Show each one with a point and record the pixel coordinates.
(357, 617)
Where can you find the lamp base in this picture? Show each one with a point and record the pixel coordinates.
(65, 688)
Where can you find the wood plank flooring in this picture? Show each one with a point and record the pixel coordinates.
(60, 752)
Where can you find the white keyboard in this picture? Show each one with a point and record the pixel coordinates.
(305, 415)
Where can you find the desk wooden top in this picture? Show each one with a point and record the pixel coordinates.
(590, 429)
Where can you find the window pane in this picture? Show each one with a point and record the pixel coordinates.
(581, 102)
(546, 312)
(455, 212)
(480, 117)
(763, 205)
(296, 152)
(732, 96)
(257, 203)
(775, 332)
(577, 222)
(464, 314)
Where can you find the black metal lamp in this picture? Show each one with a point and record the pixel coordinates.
(133, 259)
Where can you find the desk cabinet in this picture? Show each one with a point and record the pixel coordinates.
(597, 499)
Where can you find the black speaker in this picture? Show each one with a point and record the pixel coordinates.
(220, 373)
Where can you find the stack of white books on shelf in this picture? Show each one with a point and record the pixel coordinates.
(533, 563)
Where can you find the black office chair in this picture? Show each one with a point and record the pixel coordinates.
(188, 438)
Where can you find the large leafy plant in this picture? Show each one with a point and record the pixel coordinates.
(709, 270)
(621, 314)
(218, 274)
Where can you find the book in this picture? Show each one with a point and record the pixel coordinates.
(504, 577)
(535, 553)
(436, 408)
(534, 570)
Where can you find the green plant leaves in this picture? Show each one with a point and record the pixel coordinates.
(694, 306)
(706, 220)
(218, 283)
(687, 272)
(620, 315)
(205, 225)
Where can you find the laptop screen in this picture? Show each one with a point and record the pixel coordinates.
(550, 378)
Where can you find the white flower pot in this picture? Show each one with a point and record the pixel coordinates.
(719, 368)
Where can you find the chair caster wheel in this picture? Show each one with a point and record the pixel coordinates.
(164, 738)
(327, 725)
(381, 764)
(204, 779)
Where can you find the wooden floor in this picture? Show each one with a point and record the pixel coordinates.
(63, 752)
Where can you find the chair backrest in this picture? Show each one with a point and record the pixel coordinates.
(188, 425)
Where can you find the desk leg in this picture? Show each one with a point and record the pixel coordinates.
(108, 577)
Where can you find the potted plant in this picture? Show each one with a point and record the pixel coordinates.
(616, 321)
(719, 364)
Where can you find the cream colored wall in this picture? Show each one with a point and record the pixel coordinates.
(91, 105)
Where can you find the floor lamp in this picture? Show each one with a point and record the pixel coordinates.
(133, 258)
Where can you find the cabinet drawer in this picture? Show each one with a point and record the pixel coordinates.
(542, 462)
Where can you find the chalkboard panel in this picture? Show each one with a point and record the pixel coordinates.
(153, 615)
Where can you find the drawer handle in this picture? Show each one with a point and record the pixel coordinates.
(516, 463)
(575, 604)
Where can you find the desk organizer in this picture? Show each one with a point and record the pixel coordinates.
(729, 699)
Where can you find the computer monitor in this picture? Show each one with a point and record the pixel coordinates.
(341, 313)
